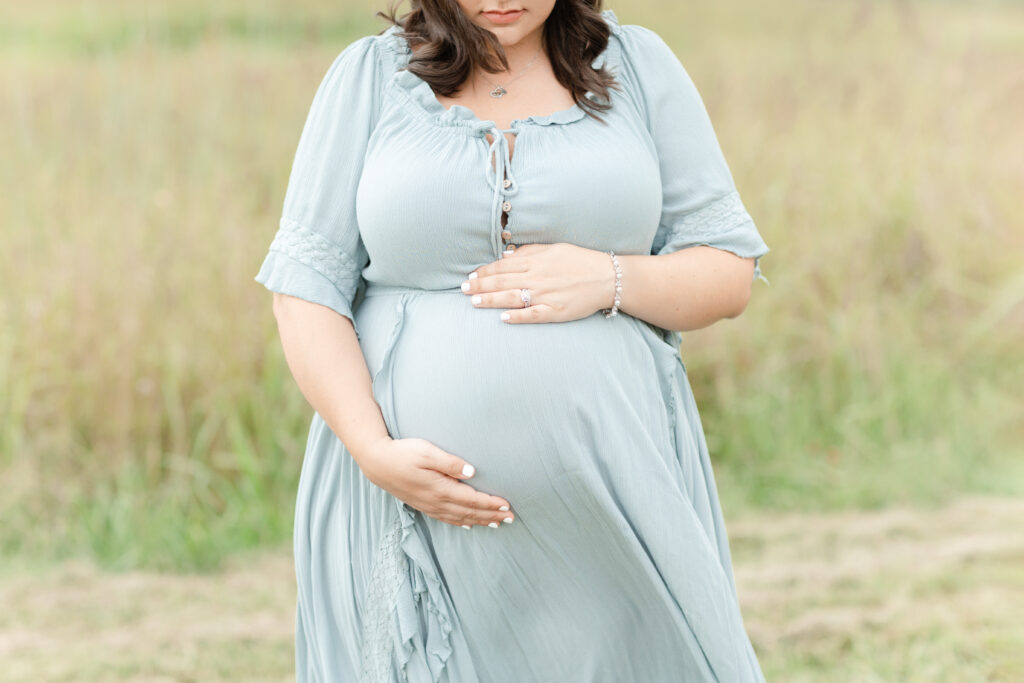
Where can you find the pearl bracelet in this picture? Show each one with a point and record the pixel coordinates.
(614, 310)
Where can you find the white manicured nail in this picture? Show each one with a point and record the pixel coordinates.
(472, 276)
(504, 508)
(465, 286)
(466, 526)
(506, 315)
(477, 299)
(468, 470)
(493, 525)
(507, 520)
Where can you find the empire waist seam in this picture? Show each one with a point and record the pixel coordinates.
(379, 289)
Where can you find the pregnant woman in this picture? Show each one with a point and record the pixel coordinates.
(499, 218)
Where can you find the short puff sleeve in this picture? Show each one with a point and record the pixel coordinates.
(700, 203)
(317, 253)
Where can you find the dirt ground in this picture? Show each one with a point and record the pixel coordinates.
(892, 595)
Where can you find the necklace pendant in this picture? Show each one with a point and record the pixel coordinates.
(498, 91)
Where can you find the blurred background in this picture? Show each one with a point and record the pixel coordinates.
(865, 414)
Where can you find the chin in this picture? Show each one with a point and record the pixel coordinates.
(509, 36)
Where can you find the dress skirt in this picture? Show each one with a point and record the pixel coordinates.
(617, 566)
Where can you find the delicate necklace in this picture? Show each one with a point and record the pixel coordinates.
(500, 90)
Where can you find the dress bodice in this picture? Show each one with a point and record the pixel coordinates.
(433, 188)
(390, 188)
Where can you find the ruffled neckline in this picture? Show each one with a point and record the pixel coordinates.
(421, 96)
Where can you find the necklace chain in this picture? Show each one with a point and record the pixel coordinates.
(500, 90)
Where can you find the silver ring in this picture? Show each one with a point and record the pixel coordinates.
(525, 294)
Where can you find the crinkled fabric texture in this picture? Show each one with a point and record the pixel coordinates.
(617, 567)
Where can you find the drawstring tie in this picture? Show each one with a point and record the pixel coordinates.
(500, 155)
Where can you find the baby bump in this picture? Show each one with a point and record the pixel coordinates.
(523, 403)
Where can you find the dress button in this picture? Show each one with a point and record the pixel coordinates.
(506, 235)
(506, 182)
(506, 206)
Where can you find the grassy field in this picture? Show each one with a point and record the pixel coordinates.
(148, 420)
(147, 417)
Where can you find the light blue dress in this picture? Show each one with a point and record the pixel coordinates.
(617, 566)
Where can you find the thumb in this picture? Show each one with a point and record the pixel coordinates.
(453, 465)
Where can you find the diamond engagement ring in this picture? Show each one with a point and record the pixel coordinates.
(525, 294)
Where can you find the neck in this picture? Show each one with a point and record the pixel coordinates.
(520, 54)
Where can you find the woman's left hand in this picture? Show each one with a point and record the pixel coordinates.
(566, 282)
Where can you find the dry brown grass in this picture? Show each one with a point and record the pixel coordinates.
(902, 595)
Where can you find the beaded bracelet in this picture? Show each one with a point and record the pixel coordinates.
(614, 310)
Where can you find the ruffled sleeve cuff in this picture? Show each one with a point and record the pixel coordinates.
(304, 264)
(723, 224)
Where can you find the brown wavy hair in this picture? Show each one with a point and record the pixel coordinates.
(449, 46)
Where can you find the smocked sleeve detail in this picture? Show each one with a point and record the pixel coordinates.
(317, 253)
(700, 202)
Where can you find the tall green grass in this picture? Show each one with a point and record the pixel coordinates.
(146, 413)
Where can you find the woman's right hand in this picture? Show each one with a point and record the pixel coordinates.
(429, 479)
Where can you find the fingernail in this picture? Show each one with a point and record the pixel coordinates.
(493, 525)
(472, 276)
(466, 526)
(477, 299)
(504, 508)
(468, 470)
(507, 520)
(465, 286)
(506, 315)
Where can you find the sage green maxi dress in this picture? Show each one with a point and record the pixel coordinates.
(617, 566)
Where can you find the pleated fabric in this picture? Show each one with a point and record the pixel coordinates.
(617, 567)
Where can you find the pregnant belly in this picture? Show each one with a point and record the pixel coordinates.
(522, 403)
